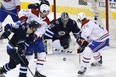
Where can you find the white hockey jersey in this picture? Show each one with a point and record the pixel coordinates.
(33, 14)
(10, 4)
(92, 31)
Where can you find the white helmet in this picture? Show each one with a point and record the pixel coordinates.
(45, 9)
(81, 16)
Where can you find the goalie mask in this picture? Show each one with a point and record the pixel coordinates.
(64, 18)
(81, 16)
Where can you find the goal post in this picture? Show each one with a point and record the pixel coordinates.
(107, 14)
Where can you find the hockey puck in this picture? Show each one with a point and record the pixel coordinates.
(64, 59)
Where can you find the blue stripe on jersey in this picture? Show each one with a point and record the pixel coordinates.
(104, 36)
(39, 63)
(85, 61)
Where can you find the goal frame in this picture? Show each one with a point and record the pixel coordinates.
(106, 9)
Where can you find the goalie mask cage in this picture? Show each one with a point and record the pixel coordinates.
(104, 9)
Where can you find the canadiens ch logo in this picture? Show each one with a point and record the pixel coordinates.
(7, 0)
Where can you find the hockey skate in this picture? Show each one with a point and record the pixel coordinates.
(82, 70)
(97, 63)
(37, 74)
(1, 73)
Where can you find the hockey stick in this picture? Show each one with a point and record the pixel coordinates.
(23, 62)
(25, 65)
(79, 58)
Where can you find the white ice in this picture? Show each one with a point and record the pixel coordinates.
(56, 67)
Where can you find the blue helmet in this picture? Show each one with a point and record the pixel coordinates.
(33, 24)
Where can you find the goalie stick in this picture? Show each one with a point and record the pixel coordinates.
(63, 51)
(79, 58)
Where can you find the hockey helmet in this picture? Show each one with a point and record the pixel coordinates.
(45, 9)
(44, 2)
(34, 6)
(81, 16)
(64, 17)
(33, 24)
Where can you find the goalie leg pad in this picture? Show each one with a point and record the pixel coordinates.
(49, 46)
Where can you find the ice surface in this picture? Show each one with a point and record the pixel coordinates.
(56, 67)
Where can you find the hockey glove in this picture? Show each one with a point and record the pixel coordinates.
(5, 34)
(82, 42)
(21, 47)
(7, 31)
(80, 49)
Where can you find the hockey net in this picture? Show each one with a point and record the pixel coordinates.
(104, 9)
